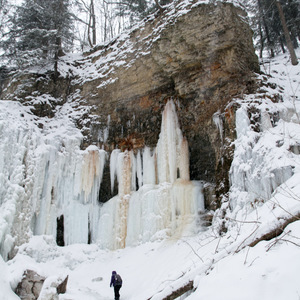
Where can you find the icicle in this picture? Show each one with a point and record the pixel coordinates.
(163, 210)
(148, 167)
(168, 146)
(265, 121)
(124, 173)
(90, 170)
(106, 130)
(67, 182)
(133, 171)
(242, 121)
(217, 118)
(184, 163)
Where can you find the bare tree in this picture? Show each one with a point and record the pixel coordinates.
(287, 36)
(88, 8)
(92, 25)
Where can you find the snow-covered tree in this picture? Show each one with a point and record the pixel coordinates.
(39, 32)
(5, 7)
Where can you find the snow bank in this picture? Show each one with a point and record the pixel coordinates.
(267, 271)
(6, 292)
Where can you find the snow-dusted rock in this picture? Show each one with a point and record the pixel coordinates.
(31, 285)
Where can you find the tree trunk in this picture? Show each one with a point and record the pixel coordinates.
(261, 38)
(289, 43)
(93, 22)
(92, 25)
(58, 42)
(282, 45)
(58, 53)
(269, 42)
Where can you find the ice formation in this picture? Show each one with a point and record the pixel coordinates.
(262, 160)
(166, 203)
(44, 176)
(217, 118)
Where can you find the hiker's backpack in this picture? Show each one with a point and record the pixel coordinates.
(118, 279)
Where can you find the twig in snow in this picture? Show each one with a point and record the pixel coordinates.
(216, 250)
(194, 251)
(246, 256)
(237, 250)
(276, 241)
(239, 221)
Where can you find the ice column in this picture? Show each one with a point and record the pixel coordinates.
(184, 162)
(92, 170)
(125, 164)
(149, 174)
(112, 227)
(168, 146)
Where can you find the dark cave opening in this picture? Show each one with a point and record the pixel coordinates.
(60, 231)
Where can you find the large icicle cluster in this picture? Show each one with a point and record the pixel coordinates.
(166, 200)
(44, 176)
(70, 187)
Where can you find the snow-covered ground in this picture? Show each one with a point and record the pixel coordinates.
(265, 192)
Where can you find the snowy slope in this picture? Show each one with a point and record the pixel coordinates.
(265, 189)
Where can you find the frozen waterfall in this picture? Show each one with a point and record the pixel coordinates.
(45, 177)
(166, 203)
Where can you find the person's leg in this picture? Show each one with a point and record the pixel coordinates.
(117, 294)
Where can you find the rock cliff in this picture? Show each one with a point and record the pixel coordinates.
(199, 55)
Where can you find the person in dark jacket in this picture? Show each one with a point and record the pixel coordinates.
(116, 282)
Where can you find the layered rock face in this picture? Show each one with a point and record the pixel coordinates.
(199, 55)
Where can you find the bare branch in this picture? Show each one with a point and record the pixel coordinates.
(159, 6)
(194, 251)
